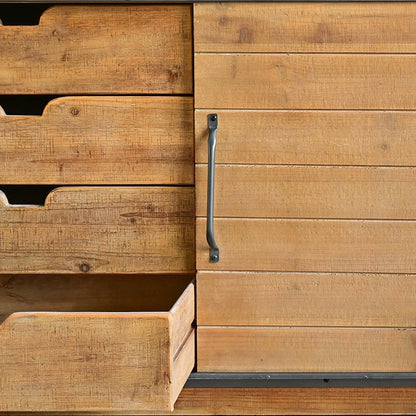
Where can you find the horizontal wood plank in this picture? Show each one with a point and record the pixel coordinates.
(305, 27)
(305, 299)
(100, 140)
(134, 49)
(100, 230)
(251, 349)
(310, 245)
(309, 192)
(310, 137)
(301, 81)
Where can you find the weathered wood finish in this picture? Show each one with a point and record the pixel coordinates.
(302, 81)
(309, 192)
(310, 246)
(279, 349)
(305, 27)
(383, 138)
(101, 140)
(101, 230)
(92, 361)
(306, 299)
(134, 49)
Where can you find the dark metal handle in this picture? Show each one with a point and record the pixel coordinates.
(214, 251)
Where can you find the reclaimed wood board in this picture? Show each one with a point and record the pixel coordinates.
(306, 349)
(101, 140)
(100, 230)
(100, 49)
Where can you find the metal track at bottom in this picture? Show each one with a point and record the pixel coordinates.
(295, 380)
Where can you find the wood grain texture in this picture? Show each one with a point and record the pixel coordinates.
(320, 82)
(279, 349)
(310, 245)
(305, 27)
(100, 140)
(309, 192)
(310, 137)
(101, 230)
(90, 361)
(137, 49)
(305, 299)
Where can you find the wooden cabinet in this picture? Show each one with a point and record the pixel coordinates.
(96, 292)
(313, 187)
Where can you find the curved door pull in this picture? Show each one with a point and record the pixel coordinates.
(214, 252)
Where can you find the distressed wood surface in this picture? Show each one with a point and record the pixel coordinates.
(100, 140)
(91, 361)
(305, 81)
(280, 349)
(310, 245)
(306, 299)
(100, 230)
(305, 27)
(310, 137)
(309, 192)
(135, 49)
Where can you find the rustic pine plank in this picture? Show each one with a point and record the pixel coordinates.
(305, 27)
(101, 230)
(279, 349)
(101, 140)
(305, 81)
(310, 137)
(306, 299)
(309, 192)
(135, 49)
(310, 245)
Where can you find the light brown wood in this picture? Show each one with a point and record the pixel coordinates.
(309, 192)
(295, 401)
(262, 349)
(100, 140)
(310, 245)
(305, 27)
(310, 137)
(88, 362)
(306, 299)
(289, 401)
(101, 230)
(284, 81)
(100, 49)
(94, 293)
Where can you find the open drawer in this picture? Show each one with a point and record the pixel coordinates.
(95, 343)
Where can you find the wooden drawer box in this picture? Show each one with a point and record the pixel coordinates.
(314, 186)
(100, 49)
(100, 230)
(89, 348)
(101, 140)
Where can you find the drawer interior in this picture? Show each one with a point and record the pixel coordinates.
(90, 293)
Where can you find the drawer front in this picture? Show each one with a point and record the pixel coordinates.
(313, 186)
(94, 361)
(100, 229)
(101, 140)
(136, 49)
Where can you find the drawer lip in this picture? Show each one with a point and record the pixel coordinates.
(149, 341)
